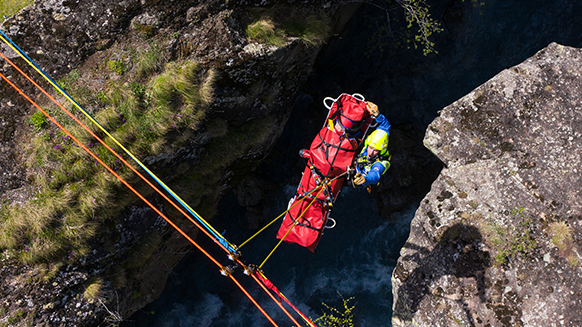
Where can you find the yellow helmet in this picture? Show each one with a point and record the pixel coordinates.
(378, 140)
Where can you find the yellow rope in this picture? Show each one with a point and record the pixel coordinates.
(284, 212)
(294, 224)
(324, 184)
(107, 133)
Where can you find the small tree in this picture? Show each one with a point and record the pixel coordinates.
(416, 13)
(408, 24)
(336, 318)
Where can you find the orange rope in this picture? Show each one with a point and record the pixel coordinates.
(274, 299)
(138, 194)
(253, 300)
(112, 151)
(134, 170)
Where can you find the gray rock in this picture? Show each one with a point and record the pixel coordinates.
(480, 251)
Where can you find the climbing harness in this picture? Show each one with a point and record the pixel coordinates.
(232, 250)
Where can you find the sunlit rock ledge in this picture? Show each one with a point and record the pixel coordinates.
(498, 239)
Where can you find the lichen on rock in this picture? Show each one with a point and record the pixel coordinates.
(483, 248)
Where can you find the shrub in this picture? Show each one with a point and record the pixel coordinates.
(336, 318)
(38, 120)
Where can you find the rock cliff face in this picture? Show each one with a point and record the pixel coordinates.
(498, 240)
(253, 97)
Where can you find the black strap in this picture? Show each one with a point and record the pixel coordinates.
(342, 137)
(307, 226)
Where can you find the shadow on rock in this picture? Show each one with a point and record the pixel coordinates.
(456, 255)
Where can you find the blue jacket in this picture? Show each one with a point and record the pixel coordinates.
(373, 171)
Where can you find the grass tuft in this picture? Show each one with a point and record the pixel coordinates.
(11, 7)
(95, 289)
(561, 234)
(149, 61)
(75, 193)
(273, 26)
(264, 31)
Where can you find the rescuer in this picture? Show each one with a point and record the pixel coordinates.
(373, 160)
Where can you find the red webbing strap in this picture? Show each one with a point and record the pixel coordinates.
(137, 193)
(265, 282)
(274, 299)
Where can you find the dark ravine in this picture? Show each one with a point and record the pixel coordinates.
(255, 93)
(63, 30)
(410, 90)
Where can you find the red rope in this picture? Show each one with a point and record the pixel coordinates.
(138, 194)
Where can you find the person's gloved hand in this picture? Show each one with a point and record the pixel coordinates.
(372, 109)
(359, 179)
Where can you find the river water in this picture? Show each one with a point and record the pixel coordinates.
(356, 258)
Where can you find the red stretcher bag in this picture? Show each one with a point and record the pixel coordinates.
(330, 154)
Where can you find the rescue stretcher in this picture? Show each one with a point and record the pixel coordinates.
(328, 160)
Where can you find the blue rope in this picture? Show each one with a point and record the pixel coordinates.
(218, 237)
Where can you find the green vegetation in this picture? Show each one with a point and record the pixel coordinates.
(511, 241)
(149, 61)
(17, 317)
(10, 7)
(275, 25)
(38, 120)
(406, 24)
(76, 196)
(264, 31)
(336, 318)
(562, 238)
(116, 66)
(561, 234)
(417, 14)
